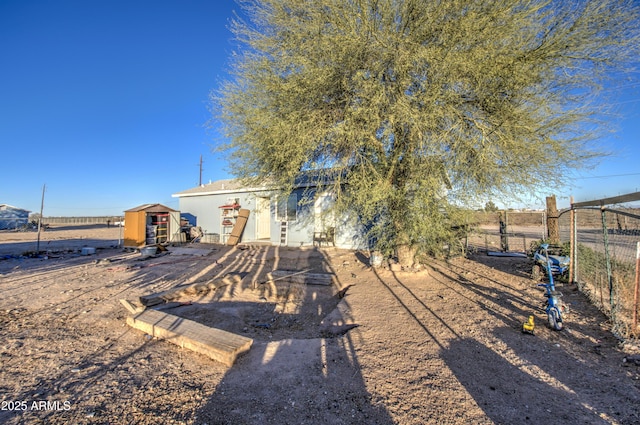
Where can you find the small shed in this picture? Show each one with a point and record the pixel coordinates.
(12, 217)
(151, 224)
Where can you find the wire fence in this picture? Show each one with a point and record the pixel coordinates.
(603, 239)
(81, 220)
(604, 243)
(507, 231)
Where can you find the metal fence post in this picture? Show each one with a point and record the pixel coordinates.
(574, 253)
(572, 243)
(636, 290)
(504, 237)
(605, 232)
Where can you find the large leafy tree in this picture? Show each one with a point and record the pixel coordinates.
(416, 106)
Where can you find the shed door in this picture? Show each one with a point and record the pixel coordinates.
(174, 226)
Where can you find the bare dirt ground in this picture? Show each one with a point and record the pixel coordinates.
(439, 346)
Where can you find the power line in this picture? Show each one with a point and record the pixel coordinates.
(607, 176)
(625, 101)
(613, 88)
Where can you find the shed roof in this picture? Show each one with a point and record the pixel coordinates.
(157, 208)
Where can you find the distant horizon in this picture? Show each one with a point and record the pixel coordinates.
(510, 209)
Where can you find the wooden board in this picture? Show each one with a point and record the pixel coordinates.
(192, 289)
(217, 344)
(132, 308)
(190, 251)
(238, 228)
(302, 277)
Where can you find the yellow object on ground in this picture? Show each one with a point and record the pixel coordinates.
(529, 325)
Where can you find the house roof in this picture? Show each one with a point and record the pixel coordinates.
(157, 208)
(308, 179)
(11, 207)
(218, 187)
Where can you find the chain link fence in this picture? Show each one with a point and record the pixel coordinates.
(604, 245)
(603, 237)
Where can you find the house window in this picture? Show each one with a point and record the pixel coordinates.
(287, 208)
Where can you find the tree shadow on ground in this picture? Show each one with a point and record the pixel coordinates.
(288, 377)
(516, 266)
(299, 368)
(294, 381)
(513, 390)
(551, 377)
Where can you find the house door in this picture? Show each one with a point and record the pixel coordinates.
(323, 216)
(263, 218)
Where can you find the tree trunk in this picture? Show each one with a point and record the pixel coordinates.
(406, 255)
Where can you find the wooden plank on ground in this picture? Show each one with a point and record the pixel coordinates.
(217, 344)
(238, 228)
(198, 288)
(132, 308)
(308, 278)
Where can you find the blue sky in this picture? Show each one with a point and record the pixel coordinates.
(106, 102)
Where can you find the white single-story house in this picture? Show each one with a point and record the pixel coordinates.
(289, 222)
(12, 217)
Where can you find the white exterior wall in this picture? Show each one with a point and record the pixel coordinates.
(206, 209)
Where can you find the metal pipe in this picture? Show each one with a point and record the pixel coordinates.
(636, 290)
(605, 232)
(572, 244)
